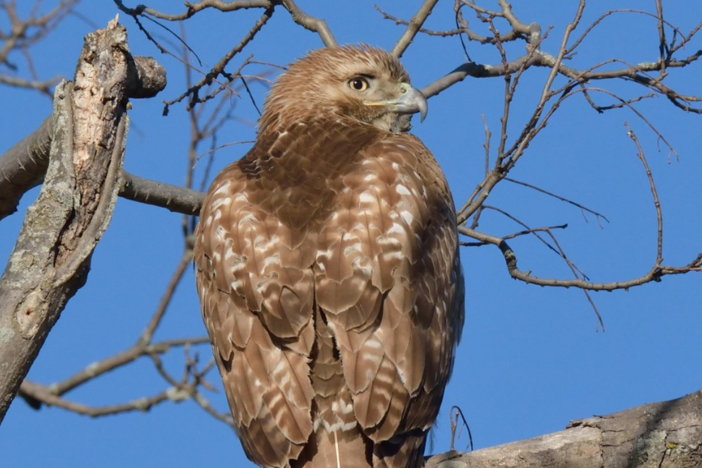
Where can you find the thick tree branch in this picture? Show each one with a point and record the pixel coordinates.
(657, 435)
(23, 166)
(52, 256)
(174, 198)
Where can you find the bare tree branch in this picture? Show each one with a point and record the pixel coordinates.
(23, 166)
(195, 7)
(413, 27)
(665, 434)
(22, 34)
(218, 70)
(311, 23)
(51, 259)
(557, 197)
(655, 274)
(652, 184)
(39, 394)
(174, 198)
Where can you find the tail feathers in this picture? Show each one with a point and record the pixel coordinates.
(347, 449)
(352, 449)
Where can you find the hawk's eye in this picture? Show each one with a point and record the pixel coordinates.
(358, 84)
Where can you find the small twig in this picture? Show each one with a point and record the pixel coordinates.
(456, 412)
(194, 8)
(516, 234)
(180, 270)
(656, 202)
(218, 70)
(577, 273)
(554, 248)
(558, 197)
(643, 118)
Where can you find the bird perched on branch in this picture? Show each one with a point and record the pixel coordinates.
(328, 270)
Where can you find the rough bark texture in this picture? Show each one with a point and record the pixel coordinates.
(51, 259)
(657, 435)
(23, 166)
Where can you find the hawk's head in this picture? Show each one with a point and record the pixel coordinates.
(362, 83)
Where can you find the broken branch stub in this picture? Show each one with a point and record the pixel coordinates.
(51, 258)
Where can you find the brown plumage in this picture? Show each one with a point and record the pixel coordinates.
(328, 271)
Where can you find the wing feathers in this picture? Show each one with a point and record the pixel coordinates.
(331, 291)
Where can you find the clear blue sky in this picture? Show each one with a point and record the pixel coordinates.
(531, 358)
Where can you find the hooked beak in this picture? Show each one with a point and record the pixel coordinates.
(410, 102)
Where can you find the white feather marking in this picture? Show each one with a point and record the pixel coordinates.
(346, 408)
(397, 255)
(217, 202)
(348, 426)
(223, 189)
(396, 229)
(385, 241)
(352, 248)
(402, 190)
(367, 197)
(241, 197)
(401, 373)
(364, 266)
(407, 216)
(275, 399)
(219, 233)
(248, 218)
(374, 344)
(272, 260)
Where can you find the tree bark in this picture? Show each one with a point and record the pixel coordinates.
(51, 259)
(657, 435)
(23, 166)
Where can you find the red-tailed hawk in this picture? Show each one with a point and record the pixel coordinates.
(328, 271)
